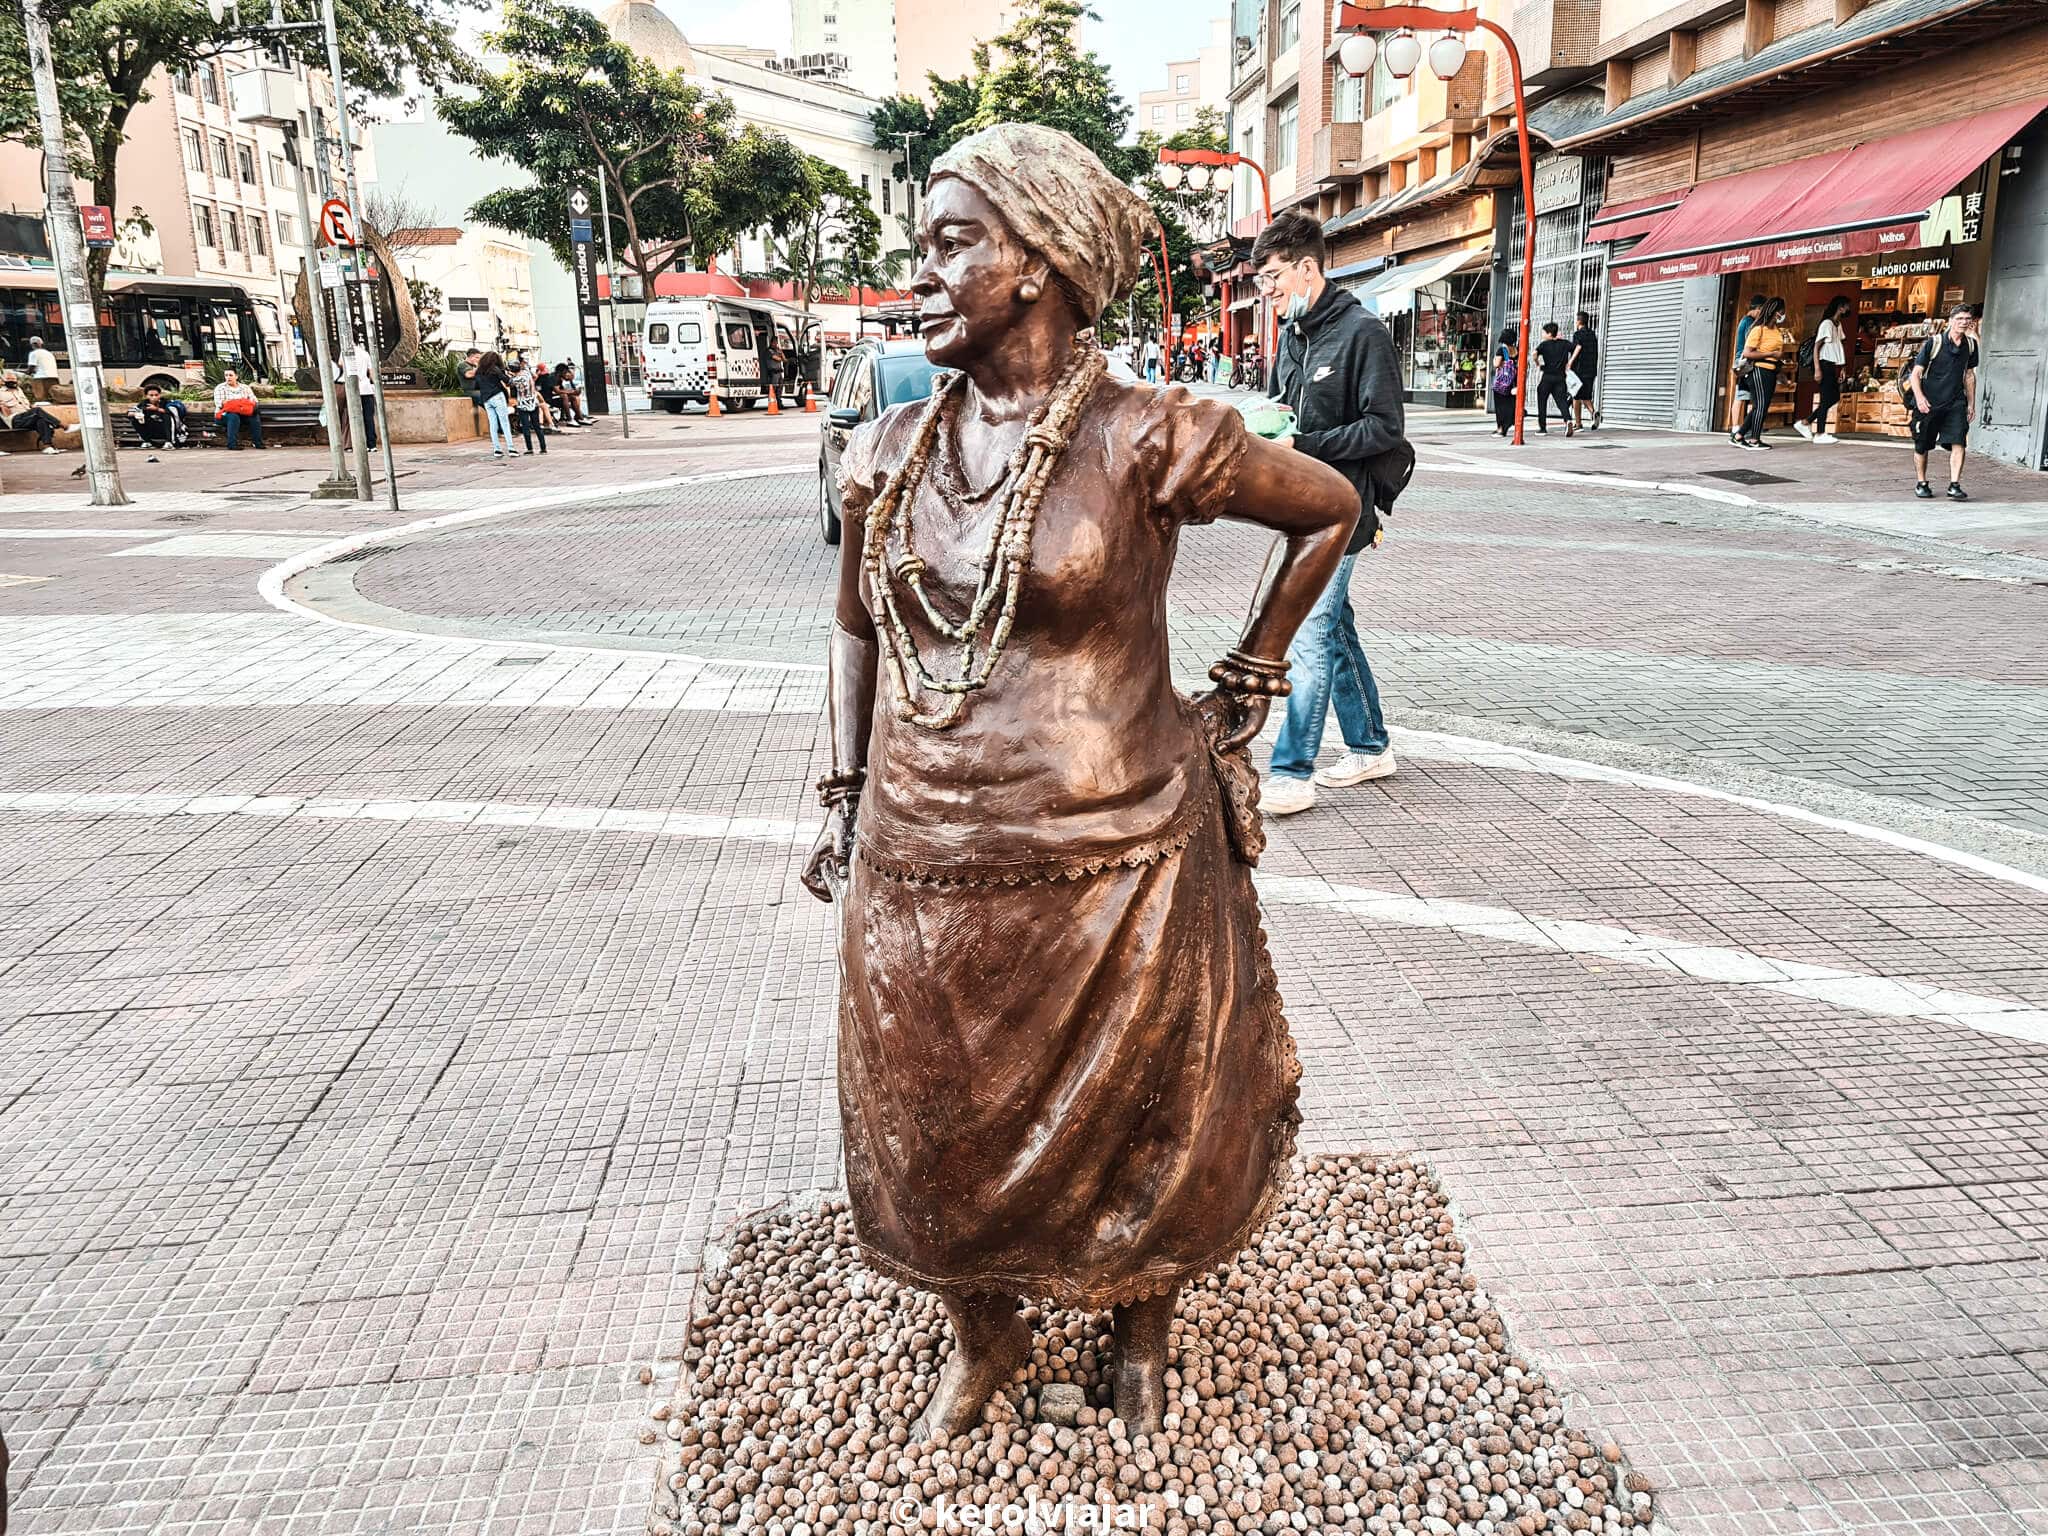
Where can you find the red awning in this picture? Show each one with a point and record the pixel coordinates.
(1623, 221)
(1853, 202)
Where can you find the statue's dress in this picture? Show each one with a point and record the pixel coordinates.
(1063, 1068)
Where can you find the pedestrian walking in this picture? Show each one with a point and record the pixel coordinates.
(234, 411)
(1766, 345)
(1553, 353)
(494, 396)
(1507, 371)
(42, 371)
(525, 403)
(1830, 353)
(1584, 365)
(1750, 316)
(1943, 385)
(26, 415)
(1151, 359)
(1337, 369)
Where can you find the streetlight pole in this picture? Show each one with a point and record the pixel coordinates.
(355, 206)
(1365, 20)
(1220, 160)
(611, 279)
(67, 252)
(316, 306)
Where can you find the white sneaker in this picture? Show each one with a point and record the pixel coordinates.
(1803, 430)
(50, 450)
(1285, 797)
(1827, 437)
(1357, 768)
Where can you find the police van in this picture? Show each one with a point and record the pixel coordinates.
(693, 347)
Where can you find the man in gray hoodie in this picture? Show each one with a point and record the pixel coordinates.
(1337, 369)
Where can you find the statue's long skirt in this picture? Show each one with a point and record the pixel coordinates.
(1075, 1088)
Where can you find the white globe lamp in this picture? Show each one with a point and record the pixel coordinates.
(1447, 56)
(1357, 54)
(1198, 178)
(1170, 175)
(1403, 52)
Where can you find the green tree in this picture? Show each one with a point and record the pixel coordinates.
(1036, 72)
(1189, 219)
(833, 242)
(111, 56)
(685, 179)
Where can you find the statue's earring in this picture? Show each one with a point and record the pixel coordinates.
(1029, 291)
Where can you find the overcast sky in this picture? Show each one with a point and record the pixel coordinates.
(1134, 37)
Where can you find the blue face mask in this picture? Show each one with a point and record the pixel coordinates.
(1297, 306)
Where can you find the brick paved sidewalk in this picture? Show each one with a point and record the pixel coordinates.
(387, 1019)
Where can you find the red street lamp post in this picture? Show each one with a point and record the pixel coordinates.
(1446, 56)
(1181, 164)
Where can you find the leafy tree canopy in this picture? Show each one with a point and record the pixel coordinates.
(836, 241)
(685, 179)
(1036, 72)
(108, 53)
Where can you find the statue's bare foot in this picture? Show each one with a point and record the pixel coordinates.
(990, 1341)
(1139, 1381)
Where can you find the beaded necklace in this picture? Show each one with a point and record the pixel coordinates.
(1022, 486)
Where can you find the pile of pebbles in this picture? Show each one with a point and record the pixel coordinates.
(1344, 1373)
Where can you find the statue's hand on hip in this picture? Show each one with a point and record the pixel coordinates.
(825, 870)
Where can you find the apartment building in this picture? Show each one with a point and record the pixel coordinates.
(216, 195)
(1685, 156)
(1189, 85)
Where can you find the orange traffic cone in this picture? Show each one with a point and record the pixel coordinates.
(810, 400)
(715, 411)
(774, 402)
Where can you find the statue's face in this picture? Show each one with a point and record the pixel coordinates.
(967, 282)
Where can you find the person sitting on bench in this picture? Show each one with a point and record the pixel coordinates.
(234, 408)
(24, 415)
(159, 422)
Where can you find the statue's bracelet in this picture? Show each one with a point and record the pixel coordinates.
(838, 788)
(1242, 673)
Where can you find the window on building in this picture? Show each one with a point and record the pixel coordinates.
(259, 242)
(203, 217)
(866, 190)
(195, 151)
(245, 163)
(1347, 99)
(1183, 113)
(221, 167)
(1180, 84)
(888, 195)
(1290, 26)
(232, 226)
(287, 231)
(182, 82)
(1159, 114)
(1286, 126)
(1382, 89)
(279, 172)
(831, 19)
(209, 83)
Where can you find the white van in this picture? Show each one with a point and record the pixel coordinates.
(691, 345)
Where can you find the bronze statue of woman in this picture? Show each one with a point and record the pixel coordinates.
(1064, 1073)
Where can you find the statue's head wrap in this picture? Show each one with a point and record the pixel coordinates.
(1062, 202)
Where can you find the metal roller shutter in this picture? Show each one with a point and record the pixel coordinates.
(1639, 353)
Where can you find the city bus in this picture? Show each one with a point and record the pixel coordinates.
(154, 330)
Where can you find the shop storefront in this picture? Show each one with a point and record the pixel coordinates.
(1436, 308)
(1901, 226)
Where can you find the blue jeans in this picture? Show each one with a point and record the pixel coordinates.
(1328, 660)
(234, 426)
(497, 412)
